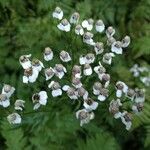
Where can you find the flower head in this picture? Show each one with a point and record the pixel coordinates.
(107, 58)
(71, 92)
(64, 56)
(74, 18)
(79, 30)
(121, 88)
(99, 26)
(48, 54)
(88, 24)
(137, 107)
(116, 47)
(37, 65)
(103, 94)
(99, 48)
(58, 13)
(64, 25)
(14, 118)
(125, 41)
(59, 70)
(8, 90)
(96, 88)
(87, 71)
(25, 61)
(87, 38)
(82, 93)
(76, 71)
(49, 73)
(4, 100)
(19, 104)
(110, 31)
(90, 104)
(76, 82)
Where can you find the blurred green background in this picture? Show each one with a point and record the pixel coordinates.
(27, 26)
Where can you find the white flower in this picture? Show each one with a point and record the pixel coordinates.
(114, 108)
(76, 82)
(74, 18)
(116, 47)
(130, 94)
(76, 71)
(96, 88)
(121, 88)
(99, 48)
(90, 104)
(126, 120)
(103, 94)
(110, 40)
(14, 118)
(25, 61)
(82, 93)
(84, 116)
(39, 99)
(19, 104)
(100, 27)
(72, 93)
(59, 70)
(49, 73)
(8, 90)
(110, 31)
(88, 24)
(48, 54)
(135, 70)
(79, 30)
(58, 13)
(30, 75)
(107, 58)
(4, 100)
(125, 41)
(100, 70)
(37, 65)
(145, 80)
(137, 107)
(87, 70)
(64, 25)
(105, 79)
(64, 56)
(87, 38)
(139, 95)
(87, 59)
(56, 88)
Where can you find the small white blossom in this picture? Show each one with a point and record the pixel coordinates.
(25, 61)
(110, 40)
(84, 116)
(14, 118)
(72, 93)
(87, 59)
(107, 58)
(37, 65)
(96, 88)
(116, 47)
(19, 104)
(87, 38)
(126, 41)
(76, 82)
(139, 95)
(64, 25)
(99, 48)
(76, 71)
(103, 94)
(130, 94)
(48, 54)
(56, 89)
(59, 70)
(4, 100)
(88, 24)
(58, 13)
(121, 88)
(90, 104)
(74, 18)
(87, 71)
(30, 75)
(79, 30)
(110, 31)
(105, 78)
(100, 70)
(49, 73)
(137, 107)
(100, 27)
(82, 93)
(64, 56)
(8, 90)
(39, 99)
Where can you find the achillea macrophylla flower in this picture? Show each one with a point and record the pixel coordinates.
(4, 100)
(96, 88)
(72, 93)
(135, 70)
(76, 71)
(25, 61)
(110, 31)
(39, 99)
(126, 41)
(14, 118)
(59, 70)
(37, 65)
(121, 88)
(74, 18)
(105, 79)
(100, 27)
(103, 94)
(107, 58)
(48, 54)
(19, 104)
(130, 94)
(58, 13)
(56, 89)
(79, 30)
(137, 107)
(110, 40)
(87, 59)
(145, 80)
(64, 25)
(76, 82)
(126, 119)
(100, 70)
(30, 75)
(49, 73)
(114, 108)
(116, 47)
(87, 71)
(87, 38)
(64, 56)
(8, 90)
(99, 48)
(90, 104)
(88, 24)
(84, 116)
(139, 95)
(82, 93)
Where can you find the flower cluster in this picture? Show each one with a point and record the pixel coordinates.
(142, 72)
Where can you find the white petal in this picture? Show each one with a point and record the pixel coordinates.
(6, 103)
(60, 27)
(117, 115)
(96, 92)
(116, 50)
(101, 98)
(118, 93)
(85, 24)
(18, 120)
(25, 79)
(36, 106)
(60, 75)
(100, 28)
(65, 87)
(89, 27)
(82, 60)
(26, 64)
(48, 57)
(43, 98)
(67, 28)
(85, 96)
(88, 72)
(56, 93)
(51, 84)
